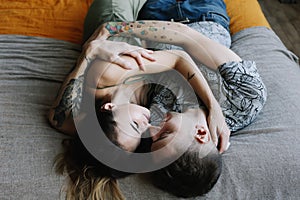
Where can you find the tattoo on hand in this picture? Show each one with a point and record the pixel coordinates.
(70, 101)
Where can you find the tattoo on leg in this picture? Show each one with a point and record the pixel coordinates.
(70, 101)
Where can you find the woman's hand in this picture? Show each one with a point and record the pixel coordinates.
(99, 47)
(219, 130)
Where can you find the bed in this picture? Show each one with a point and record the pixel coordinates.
(40, 41)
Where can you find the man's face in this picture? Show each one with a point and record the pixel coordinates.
(180, 129)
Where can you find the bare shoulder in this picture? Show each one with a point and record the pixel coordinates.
(101, 72)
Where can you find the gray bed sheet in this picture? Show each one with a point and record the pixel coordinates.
(263, 161)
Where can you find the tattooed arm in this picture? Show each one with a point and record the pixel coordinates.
(68, 100)
(203, 49)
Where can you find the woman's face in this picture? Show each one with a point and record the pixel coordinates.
(132, 120)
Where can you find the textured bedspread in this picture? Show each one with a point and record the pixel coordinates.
(31, 71)
(263, 161)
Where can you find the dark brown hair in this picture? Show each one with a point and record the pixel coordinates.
(190, 175)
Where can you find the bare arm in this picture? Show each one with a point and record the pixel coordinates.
(68, 100)
(203, 49)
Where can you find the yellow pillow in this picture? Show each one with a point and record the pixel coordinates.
(60, 19)
(245, 14)
(64, 19)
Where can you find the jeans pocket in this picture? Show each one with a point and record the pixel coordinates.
(219, 18)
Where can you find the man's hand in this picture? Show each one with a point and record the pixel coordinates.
(219, 130)
(98, 46)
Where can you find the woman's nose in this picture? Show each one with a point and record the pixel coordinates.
(141, 120)
(154, 132)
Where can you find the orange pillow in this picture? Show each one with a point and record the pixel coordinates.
(63, 19)
(245, 14)
(60, 19)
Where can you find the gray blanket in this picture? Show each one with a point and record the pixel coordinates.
(263, 161)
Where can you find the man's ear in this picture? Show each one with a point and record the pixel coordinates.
(202, 136)
(108, 106)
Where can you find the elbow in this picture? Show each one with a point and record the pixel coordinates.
(180, 54)
(62, 125)
(182, 57)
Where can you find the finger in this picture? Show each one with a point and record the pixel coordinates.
(224, 141)
(147, 55)
(214, 135)
(140, 61)
(137, 56)
(122, 63)
(149, 51)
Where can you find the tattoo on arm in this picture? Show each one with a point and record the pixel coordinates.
(166, 32)
(70, 101)
(190, 76)
(117, 27)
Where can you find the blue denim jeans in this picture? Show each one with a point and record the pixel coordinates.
(193, 10)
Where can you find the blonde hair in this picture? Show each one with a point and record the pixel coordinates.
(88, 179)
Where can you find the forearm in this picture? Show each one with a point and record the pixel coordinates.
(193, 75)
(206, 51)
(67, 103)
(215, 119)
(184, 64)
